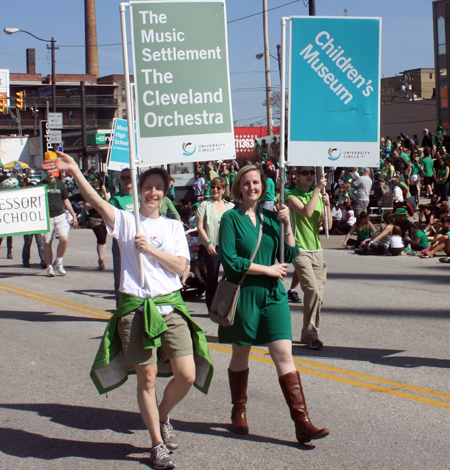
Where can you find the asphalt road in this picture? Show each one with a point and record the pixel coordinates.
(381, 384)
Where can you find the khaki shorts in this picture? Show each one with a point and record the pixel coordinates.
(176, 341)
(59, 227)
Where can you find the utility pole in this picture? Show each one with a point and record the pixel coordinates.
(267, 65)
(312, 7)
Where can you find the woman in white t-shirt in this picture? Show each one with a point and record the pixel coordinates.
(152, 322)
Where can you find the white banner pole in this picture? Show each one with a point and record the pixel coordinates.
(282, 160)
(130, 119)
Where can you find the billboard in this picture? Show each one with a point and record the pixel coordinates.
(183, 98)
(334, 109)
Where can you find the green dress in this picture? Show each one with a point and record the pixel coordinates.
(262, 313)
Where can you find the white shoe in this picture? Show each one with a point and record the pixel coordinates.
(60, 268)
(50, 272)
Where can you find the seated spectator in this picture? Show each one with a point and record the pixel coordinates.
(426, 210)
(347, 221)
(381, 244)
(441, 241)
(437, 212)
(393, 190)
(401, 219)
(336, 212)
(364, 230)
(418, 240)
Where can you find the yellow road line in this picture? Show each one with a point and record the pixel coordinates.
(65, 302)
(345, 380)
(55, 304)
(89, 311)
(372, 378)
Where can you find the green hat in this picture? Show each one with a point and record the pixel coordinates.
(439, 129)
(94, 176)
(196, 204)
(401, 211)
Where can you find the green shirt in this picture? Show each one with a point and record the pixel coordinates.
(427, 167)
(270, 194)
(423, 242)
(57, 193)
(211, 220)
(122, 201)
(167, 206)
(405, 186)
(307, 229)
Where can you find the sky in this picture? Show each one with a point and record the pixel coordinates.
(407, 39)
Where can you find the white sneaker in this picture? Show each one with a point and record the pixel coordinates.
(50, 272)
(60, 268)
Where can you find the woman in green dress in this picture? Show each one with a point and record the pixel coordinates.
(262, 314)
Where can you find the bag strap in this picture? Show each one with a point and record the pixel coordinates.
(257, 244)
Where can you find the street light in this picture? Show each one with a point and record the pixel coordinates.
(277, 58)
(52, 47)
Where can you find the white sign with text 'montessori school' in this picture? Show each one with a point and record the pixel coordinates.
(183, 98)
(24, 211)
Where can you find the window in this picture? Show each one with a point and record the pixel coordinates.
(124, 95)
(441, 35)
(124, 114)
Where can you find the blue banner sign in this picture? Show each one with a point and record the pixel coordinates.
(119, 150)
(334, 109)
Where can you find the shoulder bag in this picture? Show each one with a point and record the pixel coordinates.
(223, 306)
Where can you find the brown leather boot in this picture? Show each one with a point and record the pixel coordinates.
(238, 387)
(293, 393)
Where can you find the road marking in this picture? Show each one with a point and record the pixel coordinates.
(353, 382)
(308, 367)
(45, 299)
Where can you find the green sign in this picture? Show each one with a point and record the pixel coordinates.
(98, 139)
(182, 79)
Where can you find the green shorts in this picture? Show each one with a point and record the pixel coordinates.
(176, 341)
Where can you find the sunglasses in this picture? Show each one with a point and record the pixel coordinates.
(308, 172)
(216, 187)
(124, 178)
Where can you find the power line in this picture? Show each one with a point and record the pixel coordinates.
(261, 12)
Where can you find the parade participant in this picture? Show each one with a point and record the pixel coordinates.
(152, 323)
(58, 201)
(123, 200)
(309, 205)
(262, 313)
(209, 215)
(95, 221)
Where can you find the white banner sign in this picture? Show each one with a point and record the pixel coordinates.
(24, 211)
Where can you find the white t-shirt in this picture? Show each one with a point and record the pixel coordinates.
(396, 191)
(167, 235)
(396, 241)
(352, 219)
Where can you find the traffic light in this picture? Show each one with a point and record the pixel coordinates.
(20, 100)
(3, 103)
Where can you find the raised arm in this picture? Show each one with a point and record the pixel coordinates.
(66, 163)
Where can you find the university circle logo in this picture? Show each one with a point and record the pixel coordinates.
(334, 154)
(189, 148)
(156, 242)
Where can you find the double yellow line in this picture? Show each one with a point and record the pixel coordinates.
(45, 299)
(336, 374)
(356, 379)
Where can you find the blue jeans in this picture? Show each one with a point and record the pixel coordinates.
(27, 241)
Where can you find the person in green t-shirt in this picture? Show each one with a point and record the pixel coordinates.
(442, 239)
(428, 171)
(308, 206)
(418, 240)
(268, 201)
(123, 200)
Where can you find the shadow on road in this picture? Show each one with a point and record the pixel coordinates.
(42, 316)
(390, 312)
(374, 356)
(389, 277)
(103, 294)
(25, 444)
